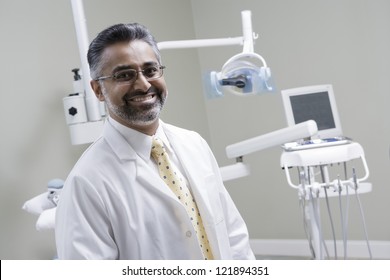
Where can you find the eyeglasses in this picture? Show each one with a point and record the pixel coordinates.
(130, 75)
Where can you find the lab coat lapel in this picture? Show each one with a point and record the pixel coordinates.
(197, 181)
(193, 174)
(153, 181)
(125, 152)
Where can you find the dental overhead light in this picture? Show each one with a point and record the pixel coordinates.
(243, 74)
(240, 76)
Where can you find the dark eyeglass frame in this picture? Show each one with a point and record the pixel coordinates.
(116, 79)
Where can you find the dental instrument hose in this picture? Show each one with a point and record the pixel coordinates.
(361, 212)
(328, 208)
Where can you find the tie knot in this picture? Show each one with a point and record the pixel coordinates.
(158, 148)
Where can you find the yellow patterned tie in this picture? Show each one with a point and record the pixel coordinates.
(174, 179)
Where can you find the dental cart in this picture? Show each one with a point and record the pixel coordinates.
(324, 172)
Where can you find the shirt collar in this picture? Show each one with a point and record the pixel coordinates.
(140, 142)
(161, 134)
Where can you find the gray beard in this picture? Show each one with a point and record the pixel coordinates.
(144, 115)
(147, 115)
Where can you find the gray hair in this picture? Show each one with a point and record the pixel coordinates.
(115, 34)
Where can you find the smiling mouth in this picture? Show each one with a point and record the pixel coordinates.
(142, 98)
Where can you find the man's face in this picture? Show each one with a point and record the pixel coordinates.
(136, 104)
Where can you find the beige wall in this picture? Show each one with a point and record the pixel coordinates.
(305, 42)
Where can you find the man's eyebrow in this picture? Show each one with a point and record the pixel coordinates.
(121, 67)
(127, 66)
(151, 63)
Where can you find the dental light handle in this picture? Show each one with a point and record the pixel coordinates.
(92, 103)
(275, 138)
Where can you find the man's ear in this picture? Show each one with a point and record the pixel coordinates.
(97, 88)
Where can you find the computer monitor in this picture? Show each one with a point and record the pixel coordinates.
(313, 103)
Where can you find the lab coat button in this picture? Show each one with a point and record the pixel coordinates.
(189, 233)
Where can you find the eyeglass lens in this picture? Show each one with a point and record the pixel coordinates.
(128, 75)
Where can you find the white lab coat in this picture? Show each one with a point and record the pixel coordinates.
(113, 206)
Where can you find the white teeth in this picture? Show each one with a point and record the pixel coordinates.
(142, 98)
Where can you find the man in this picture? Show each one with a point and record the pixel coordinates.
(114, 204)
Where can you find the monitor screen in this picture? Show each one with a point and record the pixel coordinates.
(313, 103)
(313, 106)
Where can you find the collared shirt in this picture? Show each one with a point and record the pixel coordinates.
(142, 145)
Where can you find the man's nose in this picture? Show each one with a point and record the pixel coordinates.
(141, 83)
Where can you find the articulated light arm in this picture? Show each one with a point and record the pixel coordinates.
(246, 39)
(186, 44)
